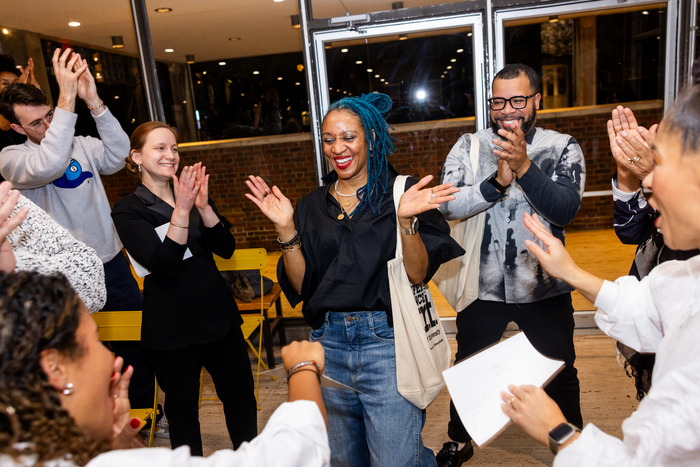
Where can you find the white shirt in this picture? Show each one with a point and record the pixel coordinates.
(661, 314)
(295, 436)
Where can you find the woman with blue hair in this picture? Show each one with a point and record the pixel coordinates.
(336, 245)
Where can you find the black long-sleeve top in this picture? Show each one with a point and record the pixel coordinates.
(346, 259)
(185, 301)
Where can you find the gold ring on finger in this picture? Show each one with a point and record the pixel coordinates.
(618, 131)
(634, 159)
(510, 402)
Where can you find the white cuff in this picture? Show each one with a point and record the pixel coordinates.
(619, 195)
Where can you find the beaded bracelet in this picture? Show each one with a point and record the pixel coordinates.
(95, 108)
(293, 241)
(301, 366)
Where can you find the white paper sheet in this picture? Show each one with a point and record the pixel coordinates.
(162, 231)
(475, 383)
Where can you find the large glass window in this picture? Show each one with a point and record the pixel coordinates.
(429, 76)
(252, 96)
(591, 59)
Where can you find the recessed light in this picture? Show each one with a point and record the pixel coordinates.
(359, 62)
(204, 72)
(116, 97)
(330, 89)
(344, 50)
(256, 72)
(163, 10)
(459, 51)
(453, 60)
(279, 78)
(369, 70)
(376, 76)
(449, 67)
(234, 38)
(469, 34)
(170, 50)
(222, 63)
(74, 24)
(297, 83)
(5, 31)
(645, 12)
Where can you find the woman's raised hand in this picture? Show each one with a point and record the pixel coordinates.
(418, 199)
(630, 143)
(186, 189)
(8, 201)
(124, 428)
(271, 202)
(202, 200)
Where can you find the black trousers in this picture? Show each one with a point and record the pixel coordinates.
(178, 373)
(548, 325)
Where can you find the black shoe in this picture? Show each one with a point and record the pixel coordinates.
(451, 456)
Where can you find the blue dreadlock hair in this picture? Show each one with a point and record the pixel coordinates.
(372, 108)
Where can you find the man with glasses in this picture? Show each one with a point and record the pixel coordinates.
(61, 172)
(521, 169)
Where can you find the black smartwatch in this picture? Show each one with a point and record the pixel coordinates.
(560, 434)
(499, 188)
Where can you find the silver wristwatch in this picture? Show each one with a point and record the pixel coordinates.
(560, 434)
(411, 230)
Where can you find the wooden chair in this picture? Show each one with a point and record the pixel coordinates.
(242, 259)
(126, 326)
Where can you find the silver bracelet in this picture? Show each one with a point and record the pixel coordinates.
(301, 366)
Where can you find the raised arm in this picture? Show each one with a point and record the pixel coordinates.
(279, 210)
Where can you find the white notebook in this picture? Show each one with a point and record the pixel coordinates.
(475, 383)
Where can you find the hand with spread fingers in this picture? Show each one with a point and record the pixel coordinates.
(9, 199)
(630, 145)
(532, 410)
(418, 199)
(273, 204)
(87, 89)
(513, 150)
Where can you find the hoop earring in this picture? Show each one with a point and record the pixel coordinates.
(68, 389)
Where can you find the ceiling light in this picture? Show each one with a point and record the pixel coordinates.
(449, 67)
(296, 22)
(297, 83)
(344, 50)
(204, 72)
(330, 89)
(256, 72)
(74, 24)
(382, 80)
(420, 95)
(234, 38)
(553, 19)
(279, 78)
(170, 50)
(277, 1)
(369, 70)
(453, 60)
(116, 97)
(359, 62)
(163, 10)
(403, 37)
(222, 63)
(5, 31)
(459, 51)
(117, 42)
(645, 12)
(469, 34)
(328, 46)
(190, 58)
(376, 76)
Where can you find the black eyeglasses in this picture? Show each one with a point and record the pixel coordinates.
(517, 102)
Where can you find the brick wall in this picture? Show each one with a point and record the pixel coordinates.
(287, 161)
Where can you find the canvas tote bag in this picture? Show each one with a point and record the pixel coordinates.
(422, 350)
(458, 279)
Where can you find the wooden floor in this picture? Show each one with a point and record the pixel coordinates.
(597, 251)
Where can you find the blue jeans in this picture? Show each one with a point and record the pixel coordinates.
(378, 427)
